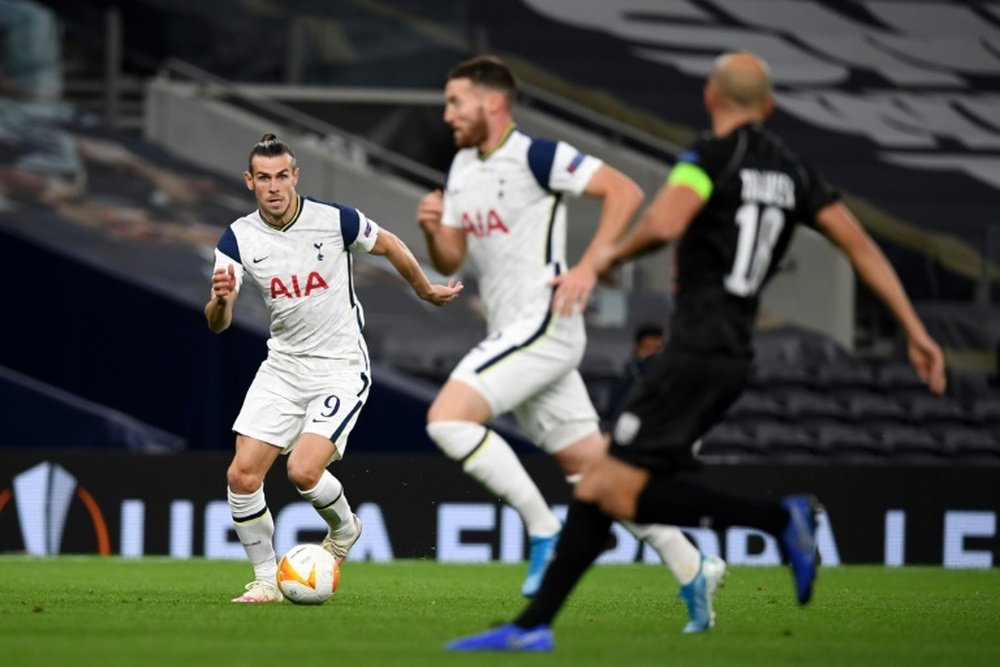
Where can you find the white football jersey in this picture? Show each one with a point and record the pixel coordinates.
(304, 271)
(509, 202)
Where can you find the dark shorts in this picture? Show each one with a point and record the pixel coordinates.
(681, 396)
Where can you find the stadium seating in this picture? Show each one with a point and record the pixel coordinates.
(815, 407)
(911, 443)
(900, 380)
(876, 410)
(727, 441)
(850, 442)
(784, 441)
(973, 444)
(782, 380)
(846, 380)
(753, 407)
(938, 413)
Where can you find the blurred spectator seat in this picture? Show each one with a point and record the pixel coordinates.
(975, 444)
(899, 380)
(797, 346)
(729, 441)
(847, 379)
(781, 380)
(780, 440)
(938, 413)
(848, 441)
(913, 443)
(986, 411)
(754, 406)
(874, 410)
(812, 408)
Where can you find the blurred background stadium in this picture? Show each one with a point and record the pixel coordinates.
(125, 127)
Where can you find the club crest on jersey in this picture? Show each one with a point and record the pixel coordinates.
(319, 251)
(480, 225)
(294, 287)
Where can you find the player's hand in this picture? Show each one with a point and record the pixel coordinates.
(429, 211)
(441, 295)
(573, 290)
(224, 282)
(927, 360)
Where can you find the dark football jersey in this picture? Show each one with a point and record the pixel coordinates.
(760, 191)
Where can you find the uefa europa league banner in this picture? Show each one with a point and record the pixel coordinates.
(423, 506)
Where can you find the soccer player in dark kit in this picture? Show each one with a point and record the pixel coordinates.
(731, 204)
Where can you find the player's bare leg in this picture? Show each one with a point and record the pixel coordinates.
(455, 422)
(307, 470)
(251, 517)
(699, 576)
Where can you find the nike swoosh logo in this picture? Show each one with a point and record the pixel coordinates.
(257, 260)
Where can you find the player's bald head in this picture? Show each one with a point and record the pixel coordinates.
(742, 79)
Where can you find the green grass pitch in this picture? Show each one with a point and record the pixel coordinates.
(82, 611)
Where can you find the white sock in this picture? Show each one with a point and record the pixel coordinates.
(682, 557)
(331, 503)
(489, 459)
(255, 528)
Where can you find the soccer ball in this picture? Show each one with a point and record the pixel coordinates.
(308, 574)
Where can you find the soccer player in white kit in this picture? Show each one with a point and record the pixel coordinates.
(308, 393)
(502, 212)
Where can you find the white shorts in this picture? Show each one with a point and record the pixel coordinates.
(531, 369)
(290, 397)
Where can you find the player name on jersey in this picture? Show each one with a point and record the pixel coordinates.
(768, 187)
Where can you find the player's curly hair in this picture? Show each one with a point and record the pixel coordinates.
(269, 146)
(489, 72)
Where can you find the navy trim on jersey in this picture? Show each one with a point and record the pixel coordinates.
(556, 200)
(343, 424)
(368, 363)
(229, 246)
(531, 339)
(350, 220)
(350, 278)
(350, 224)
(541, 155)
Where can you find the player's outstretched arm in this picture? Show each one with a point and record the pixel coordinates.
(620, 197)
(445, 245)
(219, 309)
(844, 230)
(663, 221)
(393, 248)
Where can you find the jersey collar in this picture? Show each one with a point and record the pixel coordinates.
(503, 139)
(295, 218)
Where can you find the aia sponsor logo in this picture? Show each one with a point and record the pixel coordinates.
(481, 224)
(295, 287)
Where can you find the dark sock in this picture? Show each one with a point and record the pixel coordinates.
(583, 538)
(679, 502)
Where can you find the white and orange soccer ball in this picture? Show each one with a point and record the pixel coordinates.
(308, 574)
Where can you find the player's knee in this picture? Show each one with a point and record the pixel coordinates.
(241, 480)
(457, 439)
(596, 488)
(303, 475)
